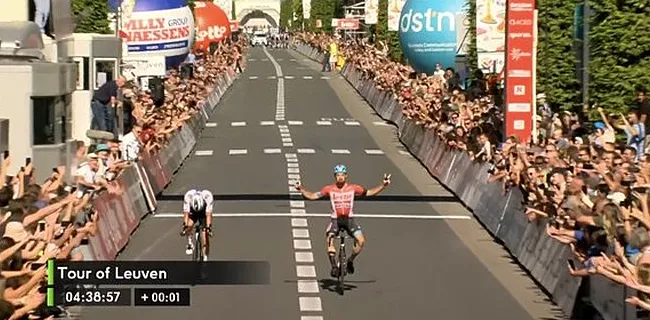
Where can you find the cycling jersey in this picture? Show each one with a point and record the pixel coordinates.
(342, 199)
(207, 197)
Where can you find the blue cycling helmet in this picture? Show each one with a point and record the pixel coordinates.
(339, 168)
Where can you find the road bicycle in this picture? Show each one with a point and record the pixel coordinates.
(342, 261)
(197, 255)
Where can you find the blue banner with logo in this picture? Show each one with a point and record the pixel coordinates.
(427, 33)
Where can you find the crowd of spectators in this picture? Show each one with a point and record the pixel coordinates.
(587, 175)
(54, 219)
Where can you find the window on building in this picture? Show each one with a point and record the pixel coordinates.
(44, 117)
(105, 70)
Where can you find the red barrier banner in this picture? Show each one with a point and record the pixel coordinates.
(118, 221)
(520, 31)
(155, 171)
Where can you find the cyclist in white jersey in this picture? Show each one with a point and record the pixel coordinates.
(197, 207)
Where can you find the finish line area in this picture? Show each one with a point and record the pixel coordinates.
(321, 215)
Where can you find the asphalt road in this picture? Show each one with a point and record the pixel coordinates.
(422, 259)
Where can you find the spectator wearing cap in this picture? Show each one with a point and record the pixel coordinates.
(605, 132)
(88, 175)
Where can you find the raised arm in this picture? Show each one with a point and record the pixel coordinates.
(308, 194)
(376, 190)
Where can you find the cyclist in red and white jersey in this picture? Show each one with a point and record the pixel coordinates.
(342, 196)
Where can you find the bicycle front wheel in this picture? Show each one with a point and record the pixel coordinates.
(198, 250)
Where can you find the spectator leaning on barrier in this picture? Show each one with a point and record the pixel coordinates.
(55, 220)
(590, 190)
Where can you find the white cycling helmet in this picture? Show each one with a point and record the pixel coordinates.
(197, 203)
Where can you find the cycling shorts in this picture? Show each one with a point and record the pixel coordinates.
(346, 224)
(198, 217)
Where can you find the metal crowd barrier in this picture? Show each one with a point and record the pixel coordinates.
(501, 213)
(120, 214)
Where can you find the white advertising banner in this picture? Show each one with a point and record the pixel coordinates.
(394, 12)
(371, 8)
(167, 32)
(145, 66)
(225, 5)
(491, 34)
(306, 9)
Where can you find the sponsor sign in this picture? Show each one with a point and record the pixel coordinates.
(347, 24)
(491, 34)
(371, 11)
(306, 9)
(428, 33)
(225, 5)
(157, 28)
(212, 24)
(520, 64)
(145, 66)
(394, 10)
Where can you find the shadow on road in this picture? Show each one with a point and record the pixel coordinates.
(280, 197)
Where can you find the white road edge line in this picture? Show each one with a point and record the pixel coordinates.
(322, 215)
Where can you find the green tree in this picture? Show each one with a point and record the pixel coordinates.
(297, 8)
(91, 16)
(324, 11)
(620, 51)
(286, 13)
(556, 57)
(472, 54)
(190, 4)
(390, 38)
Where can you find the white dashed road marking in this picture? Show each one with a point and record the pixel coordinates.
(381, 123)
(324, 77)
(306, 151)
(300, 233)
(233, 152)
(306, 271)
(267, 123)
(352, 123)
(305, 267)
(308, 77)
(211, 124)
(374, 151)
(307, 286)
(253, 77)
(304, 257)
(289, 77)
(238, 124)
(272, 150)
(340, 151)
(300, 222)
(310, 304)
(324, 123)
(406, 153)
(204, 152)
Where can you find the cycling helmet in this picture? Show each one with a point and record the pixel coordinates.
(339, 168)
(197, 203)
